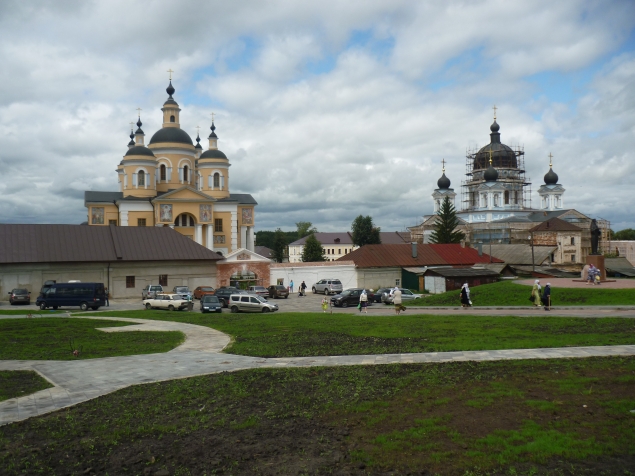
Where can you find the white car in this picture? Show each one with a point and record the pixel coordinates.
(406, 295)
(171, 302)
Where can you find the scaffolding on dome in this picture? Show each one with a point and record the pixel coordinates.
(507, 173)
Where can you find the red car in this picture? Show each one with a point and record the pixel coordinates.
(202, 291)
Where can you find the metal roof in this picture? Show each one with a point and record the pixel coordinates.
(110, 197)
(344, 238)
(461, 272)
(380, 256)
(555, 224)
(77, 243)
(520, 254)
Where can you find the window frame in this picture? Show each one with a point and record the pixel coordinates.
(218, 225)
(130, 282)
(163, 280)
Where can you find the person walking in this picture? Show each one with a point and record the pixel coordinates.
(291, 287)
(302, 288)
(396, 299)
(363, 302)
(546, 297)
(325, 304)
(465, 296)
(535, 293)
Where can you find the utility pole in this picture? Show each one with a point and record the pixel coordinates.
(533, 263)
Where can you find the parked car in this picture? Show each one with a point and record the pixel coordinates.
(84, 295)
(259, 290)
(278, 291)
(170, 302)
(183, 291)
(406, 295)
(151, 291)
(350, 297)
(328, 286)
(379, 294)
(19, 295)
(224, 292)
(211, 303)
(250, 303)
(203, 291)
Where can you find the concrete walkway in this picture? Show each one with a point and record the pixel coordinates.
(77, 381)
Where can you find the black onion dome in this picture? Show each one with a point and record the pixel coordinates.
(171, 134)
(502, 155)
(551, 178)
(491, 174)
(444, 182)
(213, 134)
(139, 150)
(170, 90)
(213, 154)
(198, 143)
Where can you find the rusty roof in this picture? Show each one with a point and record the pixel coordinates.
(81, 243)
(380, 256)
(555, 224)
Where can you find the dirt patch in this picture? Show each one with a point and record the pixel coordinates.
(393, 419)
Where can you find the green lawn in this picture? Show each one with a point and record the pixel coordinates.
(547, 417)
(25, 311)
(307, 334)
(506, 293)
(55, 338)
(18, 383)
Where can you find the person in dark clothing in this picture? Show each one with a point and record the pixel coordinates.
(546, 297)
(465, 296)
(303, 289)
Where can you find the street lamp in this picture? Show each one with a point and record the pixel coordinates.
(533, 264)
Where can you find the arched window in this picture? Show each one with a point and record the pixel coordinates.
(185, 174)
(184, 219)
(141, 178)
(172, 119)
(216, 180)
(163, 171)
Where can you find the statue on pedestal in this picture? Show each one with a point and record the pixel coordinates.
(595, 237)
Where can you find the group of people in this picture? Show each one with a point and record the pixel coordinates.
(541, 296)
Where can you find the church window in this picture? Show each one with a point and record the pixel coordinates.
(218, 225)
(163, 172)
(130, 282)
(573, 258)
(112, 222)
(141, 222)
(141, 178)
(496, 199)
(163, 279)
(172, 119)
(506, 197)
(573, 240)
(216, 180)
(185, 174)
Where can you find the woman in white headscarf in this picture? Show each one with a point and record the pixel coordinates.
(465, 296)
(535, 293)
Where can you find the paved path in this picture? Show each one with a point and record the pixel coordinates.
(77, 381)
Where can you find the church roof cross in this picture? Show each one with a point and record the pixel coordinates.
(550, 162)
(170, 71)
(139, 112)
(443, 162)
(494, 111)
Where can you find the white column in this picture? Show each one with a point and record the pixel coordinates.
(234, 235)
(209, 239)
(198, 233)
(123, 218)
(250, 238)
(243, 237)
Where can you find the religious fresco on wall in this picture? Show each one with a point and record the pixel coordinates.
(97, 217)
(248, 216)
(219, 239)
(166, 212)
(205, 212)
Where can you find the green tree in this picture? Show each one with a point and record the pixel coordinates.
(627, 234)
(364, 232)
(445, 225)
(279, 246)
(305, 228)
(312, 250)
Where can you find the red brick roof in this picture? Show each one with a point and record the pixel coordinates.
(380, 256)
(555, 224)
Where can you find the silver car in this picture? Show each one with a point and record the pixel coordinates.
(406, 295)
(328, 286)
(250, 303)
(151, 291)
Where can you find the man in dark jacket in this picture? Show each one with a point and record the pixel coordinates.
(546, 297)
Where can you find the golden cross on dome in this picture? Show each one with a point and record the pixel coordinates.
(550, 157)
(131, 125)
(170, 71)
(197, 129)
(443, 162)
(139, 111)
(494, 111)
(212, 114)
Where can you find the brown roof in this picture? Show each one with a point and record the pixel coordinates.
(379, 256)
(555, 224)
(81, 243)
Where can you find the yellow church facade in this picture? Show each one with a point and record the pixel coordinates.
(172, 182)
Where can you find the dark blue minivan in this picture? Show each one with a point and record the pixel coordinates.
(84, 295)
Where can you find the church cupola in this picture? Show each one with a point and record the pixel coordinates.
(213, 138)
(139, 135)
(131, 143)
(491, 174)
(170, 108)
(443, 183)
(198, 146)
(443, 190)
(551, 192)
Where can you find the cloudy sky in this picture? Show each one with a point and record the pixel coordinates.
(325, 109)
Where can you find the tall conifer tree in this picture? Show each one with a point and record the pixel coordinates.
(445, 226)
